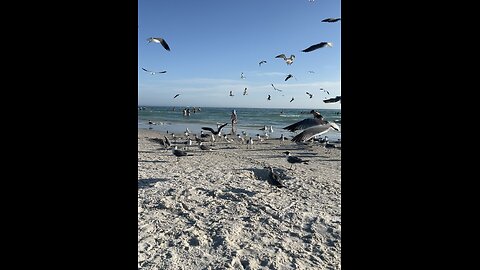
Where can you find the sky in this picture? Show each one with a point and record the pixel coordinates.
(213, 42)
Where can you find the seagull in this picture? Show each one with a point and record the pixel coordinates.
(311, 95)
(276, 88)
(213, 131)
(179, 153)
(308, 122)
(204, 147)
(293, 160)
(269, 97)
(318, 46)
(245, 91)
(321, 89)
(292, 99)
(311, 71)
(158, 140)
(262, 62)
(159, 40)
(273, 178)
(231, 93)
(331, 20)
(242, 76)
(313, 131)
(288, 77)
(288, 60)
(332, 100)
(154, 72)
(176, 95)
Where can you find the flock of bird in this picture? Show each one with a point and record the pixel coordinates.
(288, 60)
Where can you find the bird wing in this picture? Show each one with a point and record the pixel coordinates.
(288, 77)
(332, 100)
(305, 123)
(176, 95)
(164, 44)
(220, 127)
(281, 56)
(314, 47)
(209, 129)
(309, 133)
(146, 70)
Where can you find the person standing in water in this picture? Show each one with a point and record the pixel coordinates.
(234, 119)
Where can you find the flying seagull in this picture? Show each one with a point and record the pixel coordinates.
(242, 76)
(288, 60)
(308, 122)
(318, 46)
(311, 95)
(321, 89)
(159, 40)
(176, 95)
(276, 88)
(262, 62)
(154, 72)
(311, 71)
(313, 131)
(215, 132)
(292, 99)
(333, 100)
(273, 178)
(231, 93)
(331, 20)
(288, 77)
(269, 97)
(245, 91)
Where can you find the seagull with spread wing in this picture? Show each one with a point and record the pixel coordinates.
(160, 41)
(276, 88)
(321, 89)
(311, 95)
(318, 46)
(333, 100)
(262, 62)
(154, 72)
(288, 60)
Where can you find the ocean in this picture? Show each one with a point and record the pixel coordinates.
(250, 120)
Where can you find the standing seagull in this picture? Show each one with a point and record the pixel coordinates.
(293, 160)
(288, 60)
(176, 95)
(331, 20)
(317, 46)
(154, 72)
(273, 178)
(262, 62)
(311, 95)
(179, 153)
(159, 40)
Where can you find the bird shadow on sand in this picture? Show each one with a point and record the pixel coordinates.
(152, 161)
(149, 182)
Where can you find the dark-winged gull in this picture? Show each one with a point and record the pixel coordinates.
(331, 20)
(154, 72)
(313, 131)
(288, 60)
(318, 46)
(294, 160)
(160, 41)
(274, 178)
(262, 62)
(333, 100)
(215, 132)
(288, 77)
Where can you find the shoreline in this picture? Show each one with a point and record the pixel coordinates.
(215, 209)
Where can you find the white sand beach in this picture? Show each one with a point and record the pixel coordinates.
(215, 209)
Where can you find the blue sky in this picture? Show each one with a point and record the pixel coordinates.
(212, 42)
